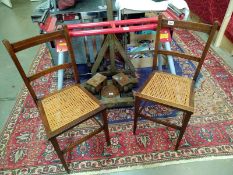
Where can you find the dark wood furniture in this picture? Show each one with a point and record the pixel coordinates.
(96, 83)
(121, 80)
(64, 109)
(124, 82)
(171, 90)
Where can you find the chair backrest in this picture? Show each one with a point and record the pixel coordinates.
(200, 27)
(13, 48)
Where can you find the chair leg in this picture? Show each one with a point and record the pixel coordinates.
(136, 109)
(185, 121)
(106, 131)
(59, 153)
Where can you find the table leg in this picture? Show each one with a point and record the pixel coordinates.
(160, 59)
(170, 58)
(61, 71)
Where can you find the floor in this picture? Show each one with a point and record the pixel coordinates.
(16, 24)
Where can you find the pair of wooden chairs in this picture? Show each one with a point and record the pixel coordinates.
(71, 106)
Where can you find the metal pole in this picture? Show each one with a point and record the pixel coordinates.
(160, 59)
(60, 72)
(170, 58)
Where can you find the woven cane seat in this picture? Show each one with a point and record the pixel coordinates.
(66, 106)
(169, 89)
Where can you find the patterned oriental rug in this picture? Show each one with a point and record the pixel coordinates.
(24, 148)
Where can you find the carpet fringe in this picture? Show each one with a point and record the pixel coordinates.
(139, 167)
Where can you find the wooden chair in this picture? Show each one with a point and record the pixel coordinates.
(171, 90)
(64, 109)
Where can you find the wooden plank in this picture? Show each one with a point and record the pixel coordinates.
(165, 103)
(161, 122)
(50, 70)
(72, 145)
(177, 54)
(124, 55)
(21, 45)
(112, 54)
(100, 55)
(201, 27)
(118, 102)
(109, 10)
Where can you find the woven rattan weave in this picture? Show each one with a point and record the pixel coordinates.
(62, 108)
(169, 88)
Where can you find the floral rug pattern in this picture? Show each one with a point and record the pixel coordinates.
(24, 148)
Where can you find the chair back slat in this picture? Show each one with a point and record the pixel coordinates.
(12, 48)
(50, 70)
(177, 54)
(40, 39)
(200, 27)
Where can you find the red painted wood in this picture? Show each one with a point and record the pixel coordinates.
(117, 23)
(113, 30)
